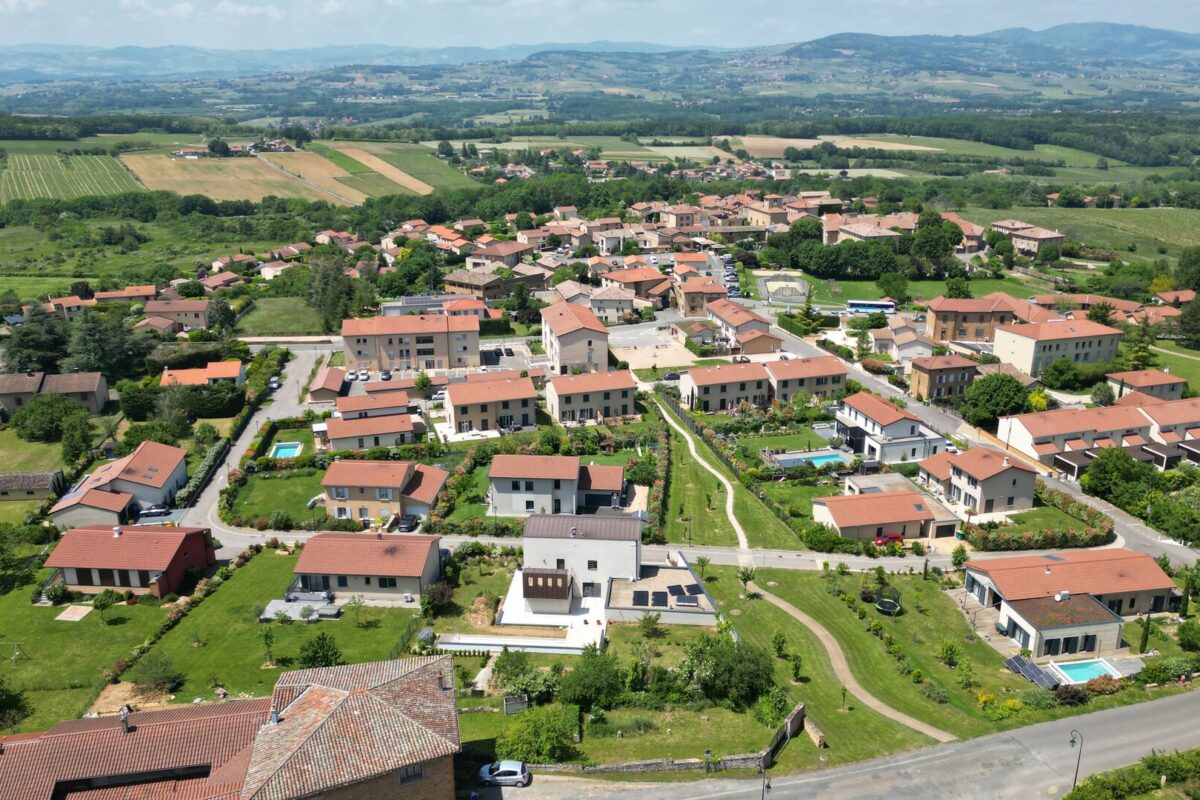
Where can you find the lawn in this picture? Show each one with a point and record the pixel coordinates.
(701, 498)
(650, 374)
(232, 652)
(14, 512)
(796, 498)
(289, 316)
(63, 670)
(1043, 518)
(465, 511)
(302, 435)
(843, 291)
(22, 456)
(1181, 365)
(262, 495)
(794, 439)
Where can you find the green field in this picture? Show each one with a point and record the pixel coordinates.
(375, 185)
(32, 175)
(695, 495)
(1114, 228)
(339, 158)
(1044, 152)
(280, 316)
(148, 141)
(1181, 365)
(419, 162)
(842, 291)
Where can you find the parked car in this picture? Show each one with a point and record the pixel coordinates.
(408, 523)
(671, 376)
(741, 359)
(363, 375)
(386, 375)
(784, 357)
(504, 773)
(888, 538)
(155, 511)
(508, 351)
(654, 260)
(352, 375)
(274, 383)
(439, 395)
(734, 293)
(498, 351)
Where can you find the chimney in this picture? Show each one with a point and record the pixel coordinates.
(274, 715)
(124, 717)
(1005, 462)
(1047, 570)
(116, 532)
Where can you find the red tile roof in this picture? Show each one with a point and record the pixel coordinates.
(727, 373)
(1138, 399)
(1059, 329)
(938, 465)
(811, 367)
(409, 324)
(465, 394)
(1145, 377)
(329, 379)
(535, 467)
(148, 547)
(374, 474)
(564, 318)
(982, 463)
(160, 307)
(504, 375)
(368, 426)
(115, 502)
(733, 314)
(372, 402)
(425, 484)
(151, 464)
(882, 508)
(601, 478)
(877, 409)
(593, 382)
(1096, 572)
(1072, 420)
(214, 371)
(401, 556)
(933, 363)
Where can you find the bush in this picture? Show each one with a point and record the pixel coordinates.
(320, 651)
(1188, 634)
(933, 691)
(542, 735)
(1068, 695)
(43, 417)
(57, 593)
(280, 521)
(155, 672)
(1038, 698)
(1104, 684)
(771, 708)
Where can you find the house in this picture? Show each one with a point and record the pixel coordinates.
(152, 473)
(363, 433)
(93, 507)
(982, 480)
(901, 342)
(816, 376)
(972, 241)
(327, 385)
(745, 331)
(214, 372)
(492, 405)
(1029, 241)
(1084, 302)
(1028, 381)
(574, 339)
(1029, 590)
(507, 254)
(273, 269)
(400, 714)
(976, 319)
(647, 283)
(412, 342)
(941, 378)
(130, 294)
(866, 516)
(725, 387)
(700, 332)
(577, 557)
(574, 292)
(537, 375)
(465, 307)
(160, 325)
(30, 485)
(379, 490)
(221, 280)
(693, 295)
(884, 432)
(184, 314)
(1153, 382)
(386, 569)
(143, 559)
(380, 404)
(1043, 435)
(598, 396)
(477, 283)
(68, 308)
(525, 485)
(1032, 347)
(1178, 298)
(611, 304)
(89, 389)
(867, 231)
(681, 216)
(338, 238)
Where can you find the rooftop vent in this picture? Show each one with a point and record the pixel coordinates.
(116, 532)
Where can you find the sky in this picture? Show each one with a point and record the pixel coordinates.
(285, 24)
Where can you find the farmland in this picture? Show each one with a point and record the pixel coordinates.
(317, 170)
(218, 178)
(417, 161)
(29, 175)
(387, 168)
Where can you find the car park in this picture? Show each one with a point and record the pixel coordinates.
(504, 773)
(408, 523)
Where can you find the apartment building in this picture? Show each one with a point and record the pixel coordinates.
(693, 295)
(491, 405)
(817, 376)
(941, 378)
(725, 387)
(1048, 433)
(413, 342)
(574, 339)
(743, 330)
(982, 480)
(525, 485)
(1151, 382)
(1031, 347)
(372, 491)
(597, 396)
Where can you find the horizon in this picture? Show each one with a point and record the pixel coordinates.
(301, 24)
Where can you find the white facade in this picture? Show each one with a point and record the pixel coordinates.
(591, 562)
(520, 497)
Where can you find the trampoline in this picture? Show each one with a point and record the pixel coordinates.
(888, 601)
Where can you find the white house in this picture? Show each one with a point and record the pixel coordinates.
(885, 432)
(525, 485)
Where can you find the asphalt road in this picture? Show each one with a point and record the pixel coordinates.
(1030, 762)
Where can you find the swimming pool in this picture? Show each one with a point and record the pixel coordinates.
(818, 458)
(1083, 671)
(286, 449)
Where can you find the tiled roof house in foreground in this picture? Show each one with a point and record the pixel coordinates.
(384, 730)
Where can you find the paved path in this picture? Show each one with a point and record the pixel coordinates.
(841, 668)
(1166, 352)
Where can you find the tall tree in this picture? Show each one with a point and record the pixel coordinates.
(39, 343)
(958, 288)
(1101, 313)
(992, 397)
(76, 438)
(1140, 339)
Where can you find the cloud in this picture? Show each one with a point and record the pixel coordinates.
(20, 6)
(181, 10)
(248, 10)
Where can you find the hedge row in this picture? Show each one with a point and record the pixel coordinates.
(1140, 779)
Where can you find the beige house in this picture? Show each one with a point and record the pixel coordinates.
(526, 485)
(411, 342)
(383, 569)
(817, 376)
(574, 339)
(941, 378)
(183, 314)
(152, 474)
(975, 319)
(1153, 382)
(693, 295)
(371, 491)
(89, 389)
(611, 304)
(983, 481)
(866, 516)
(491, 405)
(600, 395)
(1034, 346)
(725, 387)
(378, 404)
(363, 433)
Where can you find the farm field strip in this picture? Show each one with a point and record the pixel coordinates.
(30, 175)
(218, 178)
(387, 170)
(317, 170)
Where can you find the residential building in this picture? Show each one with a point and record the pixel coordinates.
(68, 308)
(574, 339)
(401, 714)
(1029, 590)
(681, 216)
(377, 491)
(612, 304)
(1034, 346)
(414, 342)
(884, 432)
(976, 319)
(143, 559)
(647, 283)
(183, 314)
(491, 405)
(1028, 381)
(383, 569)
(1045, 434)
(364, 433)
(92, 507)
(743, 330)
(477, 283)
(693, 295)
(574, 292)
(466, 307)
(27, 486)
(89, 389)
(586, 552)
(1029, 241)
(214, 372)
(507, 254)
(866, 516)
(1178, 298)
(598, 396)
(1153, 382)
(152, 473)
(725, 387)
(981, 480)
(525, 485)
(379, 404)
(941, 378)
(972, 241)
(130, 294)
(327, 385)
(221, 280)
(817, 376)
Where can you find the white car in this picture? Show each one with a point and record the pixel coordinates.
(439, 395)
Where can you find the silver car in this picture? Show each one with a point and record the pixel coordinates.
(504, 773)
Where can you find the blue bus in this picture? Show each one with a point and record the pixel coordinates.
(871, 306)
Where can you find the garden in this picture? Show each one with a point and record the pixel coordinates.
(1057, 521)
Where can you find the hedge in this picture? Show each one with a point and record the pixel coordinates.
(1140, 779)
(1099, 531)
(838, 350)
(200, 478)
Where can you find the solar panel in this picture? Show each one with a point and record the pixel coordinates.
(694, 588)
(676, 590)
(1032, 672)
(641, 598)
(688, 600)
(658, 599)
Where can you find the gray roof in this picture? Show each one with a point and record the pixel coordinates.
(29, 481)
(21, 382)
(588, 526)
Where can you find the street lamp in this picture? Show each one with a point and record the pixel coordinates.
(766, 783)
(1076, 736)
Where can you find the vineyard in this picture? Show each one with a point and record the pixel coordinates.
(35, 175)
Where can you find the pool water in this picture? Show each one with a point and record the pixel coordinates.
(820, 461)
(1084, 671)
(286, 449)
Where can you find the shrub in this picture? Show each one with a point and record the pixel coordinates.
(57, 593)
(1188, 634)
(933, 691)
(771, 708)
(280, 521)
(320, 651)
(1068, 695)
(917, 676)
(542, 735)
(1104, 684)
(1038, 698)
(155, 672)
(948, 653)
